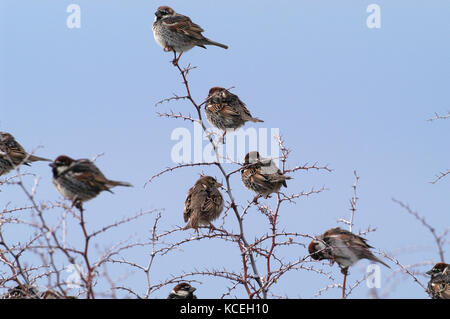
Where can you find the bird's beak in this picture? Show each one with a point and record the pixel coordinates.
(430, 272)
(192, 289)
(158, 14)
(52, 165)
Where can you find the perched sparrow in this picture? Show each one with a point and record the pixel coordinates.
(182, 291)
(12, 154)
(204, 203)
(30, 292)
(262, 175)
(439, 284)
(225, 110)
(52, 294)
(341, 246)
(21, 292)
(80, 180)
(176, 32)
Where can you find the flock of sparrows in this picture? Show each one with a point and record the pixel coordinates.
(77, 180)
(80, 180)
(204, 203)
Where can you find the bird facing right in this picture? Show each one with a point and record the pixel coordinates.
(182, 291)
(341, 246)
(12, 154)
(204, 203)
(80, 180)
(439, 284)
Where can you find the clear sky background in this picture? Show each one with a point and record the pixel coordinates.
(340, 93)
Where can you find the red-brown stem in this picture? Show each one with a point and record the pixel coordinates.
(245, 269)
(273, 222)
(87, 237)
(246, 245)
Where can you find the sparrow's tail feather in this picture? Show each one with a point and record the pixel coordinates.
(284, 181)
(379, 260)
(210, 42)
(192, 223)
(117, 183)
(32, 158)
(255, 120)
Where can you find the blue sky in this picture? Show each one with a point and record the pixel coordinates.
(340, 93)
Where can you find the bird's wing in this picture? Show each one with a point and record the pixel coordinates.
(182, 24)
(14, 151)
(243, 108)
(347, 237)
(85, 171)
(260, 179)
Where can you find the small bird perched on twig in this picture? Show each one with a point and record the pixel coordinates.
(204, 203)
(262, 175)
(341, 246)
(12, 154)
(177, 33)
(80, 180)
(182, 291)
(439, 284)
(21, 292)
(226, 111)
(31, 292)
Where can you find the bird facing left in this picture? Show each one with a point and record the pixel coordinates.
(177, 33)
(80, 180)
(341, 246)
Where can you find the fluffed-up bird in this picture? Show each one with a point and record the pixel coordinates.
(225, 111)
(262, 175)
(204, 203)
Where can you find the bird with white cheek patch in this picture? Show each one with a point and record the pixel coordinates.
(80, 180)
(182, 291)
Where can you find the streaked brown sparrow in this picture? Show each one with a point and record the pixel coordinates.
(182, 291)
(21, 292)
(439, 284)
(177, 33)
(341, 246)
(12, 154)
(80, 180)
(262, 175)
(226, 111)
(204, 203)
